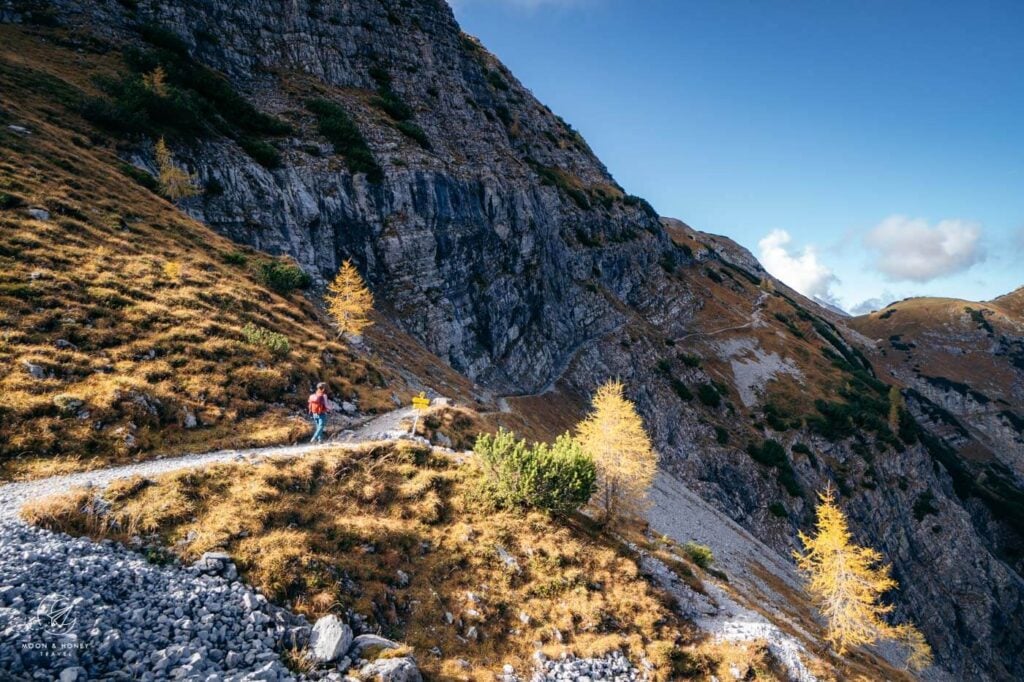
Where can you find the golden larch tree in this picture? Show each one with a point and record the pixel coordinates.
(175, 182)
(156, 81)
(895, 407)
(349, 301)
(846, 582)
(614, 436)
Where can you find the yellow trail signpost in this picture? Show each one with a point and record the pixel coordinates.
(420, 403)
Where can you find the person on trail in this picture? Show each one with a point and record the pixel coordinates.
(318, 409)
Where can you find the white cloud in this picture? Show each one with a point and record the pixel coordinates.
(802, 271)
(872, 304)
(910, 249)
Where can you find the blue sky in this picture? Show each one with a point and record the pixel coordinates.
(864, 149)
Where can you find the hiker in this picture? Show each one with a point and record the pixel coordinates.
(318, 408)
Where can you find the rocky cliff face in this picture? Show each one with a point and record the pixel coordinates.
(490, 232)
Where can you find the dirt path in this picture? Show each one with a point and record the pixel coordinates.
(13, 495)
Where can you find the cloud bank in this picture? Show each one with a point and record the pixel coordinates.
(909, 249)
(872, 304)
(800, 270)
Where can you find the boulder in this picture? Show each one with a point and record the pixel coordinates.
(391, 670)
(347, 407)
(363, 642)
(216, 563)
(329, 640)
(39, 213)
(34, 370)
(75, 674)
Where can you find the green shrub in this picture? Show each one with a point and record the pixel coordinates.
(8, 201)
(413, 131)
(690, 360)
(276, 343)
(389, 101)
(261, 152)
(772, 454)
(235, 258)
(699, 554)
(776, 509)
(925, 505)
(558, 477)
(802, 448)
(195, 101)
(140, 176)
(709, 395)
(282, 277)
(341, 131)
(496, 80)
(721, 435)
(681, 390)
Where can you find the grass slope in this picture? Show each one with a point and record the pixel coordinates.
(120, 317)
(335, 532)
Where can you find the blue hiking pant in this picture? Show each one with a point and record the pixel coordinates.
(320, 421)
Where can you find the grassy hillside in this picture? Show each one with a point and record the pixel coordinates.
(972, 343)
(337, 531)
(128, 329)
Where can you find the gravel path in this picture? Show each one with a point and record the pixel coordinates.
(72, 609)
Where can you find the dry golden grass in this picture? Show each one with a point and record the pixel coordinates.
(331, 532)
(133, 311)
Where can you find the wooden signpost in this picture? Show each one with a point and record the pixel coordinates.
(420, 403)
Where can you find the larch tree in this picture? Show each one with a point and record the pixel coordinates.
(614, 436)
(175, 182)
(846, 582)
(895, 406)
(349, 301)
(156, 81)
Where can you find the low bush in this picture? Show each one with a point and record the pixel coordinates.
(261, 152)
(681, 390)
(283, 277)
(690, 360)
(777, 510)
(772, 454)
(721, 435)
(699, 554)
(235, 258)
(709, 395)
(341, 131)
(558, 477)
(256, 335)
(924, 505)
(413, 131)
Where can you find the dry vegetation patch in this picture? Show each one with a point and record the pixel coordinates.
(341, 530)
(126, 328)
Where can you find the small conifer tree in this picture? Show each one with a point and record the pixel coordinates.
(895, 406)
(349, 301)
(175, 183)
(156, 81)
(846, 582)
(614, 436)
